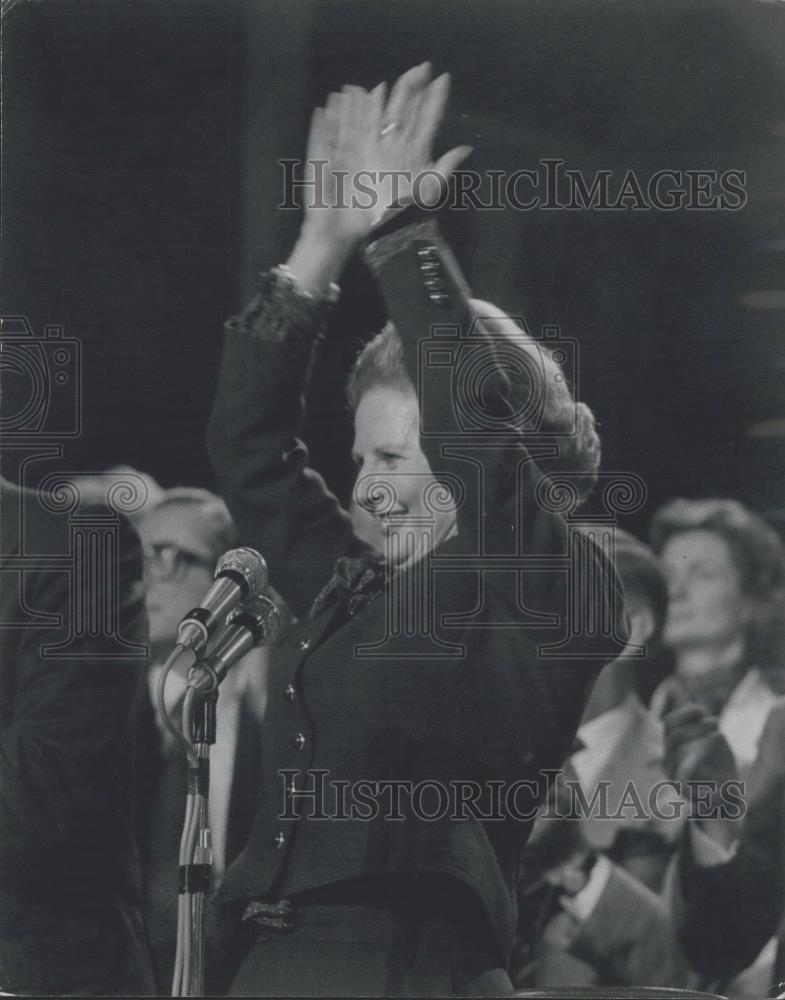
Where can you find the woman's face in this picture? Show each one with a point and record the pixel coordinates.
(395, 483)
(707, 605)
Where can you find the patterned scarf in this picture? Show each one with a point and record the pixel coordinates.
(356, 581)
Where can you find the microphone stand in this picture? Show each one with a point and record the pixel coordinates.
(257, 621)
(195, 860)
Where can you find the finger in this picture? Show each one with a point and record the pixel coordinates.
(697, 729)
(409, 82)
(321, 137)
(360, 108)
(346, 132)
(690, 734)
(447, 164)
(687, 716)
(332, 108)
(434, 180)
(378, 99)
(676, 696)
(356, 96)
(337, 115)
(429, 113)
(351, 112)
(410, 114)
(363, 115)
(686, 713)
(364, 128)
(669, 703)
(316, 135)
(406, 91)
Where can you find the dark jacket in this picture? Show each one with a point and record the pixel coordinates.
(444, 677)
(69, 886)
(731, 910)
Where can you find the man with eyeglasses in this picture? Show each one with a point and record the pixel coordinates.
(183, 535)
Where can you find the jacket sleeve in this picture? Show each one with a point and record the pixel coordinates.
(67, 745)
(280, 506)
(461, 387)
(729, 911)
(472, 439)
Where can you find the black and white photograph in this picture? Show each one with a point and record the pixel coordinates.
(392, 498)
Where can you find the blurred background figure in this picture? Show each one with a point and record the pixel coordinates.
(70, 915)
(715, 598)
(136, 492)
(183, 535)
(595, 878)
(725, 572)
(732, 882)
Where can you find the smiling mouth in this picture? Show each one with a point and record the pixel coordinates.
(391, 519)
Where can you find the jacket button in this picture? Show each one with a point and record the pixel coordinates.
(289, 692)
(304, 644)
(298, 741)
(279, 840)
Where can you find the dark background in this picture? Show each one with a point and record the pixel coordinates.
(140, 183)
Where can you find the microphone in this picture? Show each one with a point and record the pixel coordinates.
(257, 621)
(239, 575)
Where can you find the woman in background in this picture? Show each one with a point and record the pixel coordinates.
(724, 568)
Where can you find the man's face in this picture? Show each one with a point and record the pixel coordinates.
(178, 566)
(394, 475)
(706, 605)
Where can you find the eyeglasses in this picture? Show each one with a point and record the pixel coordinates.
(165, 561)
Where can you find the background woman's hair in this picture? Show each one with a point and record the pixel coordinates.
(642, 579)
(757, 552)
(533, 373)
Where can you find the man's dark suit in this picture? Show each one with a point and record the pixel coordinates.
(69, 892)
(448, 701)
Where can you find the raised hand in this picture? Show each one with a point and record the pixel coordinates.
(370, 156)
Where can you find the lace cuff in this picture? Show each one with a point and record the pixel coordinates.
(283, 311)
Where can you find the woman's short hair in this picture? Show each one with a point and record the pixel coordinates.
(757, 553)
(381, 362)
